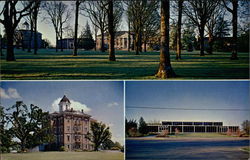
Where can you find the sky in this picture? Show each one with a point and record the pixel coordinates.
(188, 94)
(46, 28)
(103, 100)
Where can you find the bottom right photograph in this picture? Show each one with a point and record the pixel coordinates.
(187, 120)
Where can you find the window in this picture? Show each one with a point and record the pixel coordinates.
(68, 128)
(68, 138)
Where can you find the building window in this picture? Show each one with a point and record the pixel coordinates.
(68, 138)
(68, 128)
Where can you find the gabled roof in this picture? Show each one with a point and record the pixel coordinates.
(117, 33)
(65, 99)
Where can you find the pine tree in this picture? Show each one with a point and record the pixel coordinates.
(86, 39)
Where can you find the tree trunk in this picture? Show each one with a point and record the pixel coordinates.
(137, 37)
(129, 40)
(140, 41)
(102, 39)
(234, 44)
(56, 43)
(76, 28)
(10, 48)
(145, 46)
(95, 39)
(201, 30)
(61, 38)
(165, 70)
(178, 51)
(31, 35)
(35, 37)
(111, 31)
(210, 43)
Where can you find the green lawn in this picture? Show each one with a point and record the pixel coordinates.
(64, 156)
(94, 65)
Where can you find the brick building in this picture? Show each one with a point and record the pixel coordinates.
(70, 127)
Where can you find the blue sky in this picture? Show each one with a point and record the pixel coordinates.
(188, 94)
(101, 99)
(47, 29)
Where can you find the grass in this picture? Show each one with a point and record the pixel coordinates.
(49, 65)
(64, 156)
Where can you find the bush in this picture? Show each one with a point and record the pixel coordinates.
(62, 148)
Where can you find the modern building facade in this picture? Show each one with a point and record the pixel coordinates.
(186, 126)
(70, 127)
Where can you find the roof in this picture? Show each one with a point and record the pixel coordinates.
(117, 33)
(65, 99)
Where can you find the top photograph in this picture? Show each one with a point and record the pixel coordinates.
(124, 40)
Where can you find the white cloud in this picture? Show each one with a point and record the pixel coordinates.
(74, 104)
(113, 104)
(10, 93)
(13, 93)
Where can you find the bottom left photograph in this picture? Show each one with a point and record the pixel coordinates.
(49, 120)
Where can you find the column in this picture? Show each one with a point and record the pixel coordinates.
(205, 129)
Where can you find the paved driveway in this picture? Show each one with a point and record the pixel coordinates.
(186, 149)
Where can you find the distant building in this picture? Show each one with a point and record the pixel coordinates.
(187, 126)
(23, 39)
(121, 40)
(70, 127)
(67, 43)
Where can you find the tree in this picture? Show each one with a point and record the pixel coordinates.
(199, 12)
(173, 36)
(5, 134)
(111, 31)
(99, 134)
(141, 13)
(30, 125)
(165, 69)
(12, 15)
(96, 12)
(143, 127)
(246, 126)
(151, 26)
(78, 2)
(58, 14)
(32, 18)
(217, 29)
(234, 12)
(130, 125)
(179, 23)
(86, 40)
(212, 25)
(35, 16)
